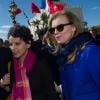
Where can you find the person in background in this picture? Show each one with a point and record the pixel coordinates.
(33, 78)
(95, 33)
(1, 42)
(39, 46)
(78, 57)
(5, 60)
(6, 44)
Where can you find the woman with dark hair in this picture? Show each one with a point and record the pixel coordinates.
(78, 57)
(33, 79)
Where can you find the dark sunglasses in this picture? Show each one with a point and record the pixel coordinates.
(59, 28)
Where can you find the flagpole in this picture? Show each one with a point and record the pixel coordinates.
(26, 17)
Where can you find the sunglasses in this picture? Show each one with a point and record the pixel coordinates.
(59, 28)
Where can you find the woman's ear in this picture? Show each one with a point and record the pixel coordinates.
(73, 30)
(29, 44)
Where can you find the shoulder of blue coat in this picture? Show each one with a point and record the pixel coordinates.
(92, 51)
(92, 48)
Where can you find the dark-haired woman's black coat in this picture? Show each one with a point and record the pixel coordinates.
(41, 82)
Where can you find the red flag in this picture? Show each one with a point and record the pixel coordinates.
(18, 11)
(54, 7)
(34, 8)
(49, 2)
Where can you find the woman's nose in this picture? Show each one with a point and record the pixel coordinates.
(56, 31)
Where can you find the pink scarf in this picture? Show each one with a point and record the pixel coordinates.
(21, 89)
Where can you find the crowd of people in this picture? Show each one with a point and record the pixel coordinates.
(62, 65)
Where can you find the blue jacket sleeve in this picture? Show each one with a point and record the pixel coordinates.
(94, 63)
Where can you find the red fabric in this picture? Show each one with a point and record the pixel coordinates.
(54, 7)
(34, 8)
(49, 2)
(18, 11)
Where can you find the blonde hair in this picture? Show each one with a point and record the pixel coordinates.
(75, 22)
(49, 39)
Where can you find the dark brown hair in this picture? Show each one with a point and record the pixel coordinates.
(22, 32)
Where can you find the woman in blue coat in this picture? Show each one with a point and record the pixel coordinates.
(78, 57)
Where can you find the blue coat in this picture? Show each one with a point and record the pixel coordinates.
(81, 79)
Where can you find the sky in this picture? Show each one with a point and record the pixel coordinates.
(90, 10)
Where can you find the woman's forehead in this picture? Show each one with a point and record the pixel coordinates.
(11, 38)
